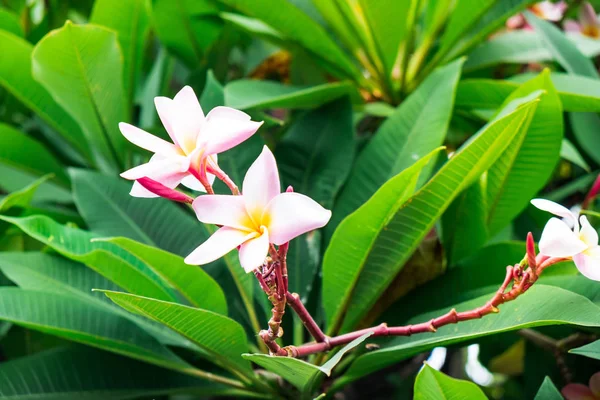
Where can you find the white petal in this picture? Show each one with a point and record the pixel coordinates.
(138, 190)
(147, 141)
(158, 168)
(588, 263)
(191, 182)
(557, 209)
(261, 184)
(164, 108)
(560, 241)
(226, 128)
(220, 243)
(588, 234)
(254, 251)
(223, 210)
(291, 214)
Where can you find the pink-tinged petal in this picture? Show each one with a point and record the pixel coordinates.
(291, 214)
(571, 26)
(164, 108)
(559, 241)
(226, 128)
(549, 11)
(577, 391)
(588, 263)
(188, 118)
(147, 141)
(223, 210)
(557, 209)
(515, 22)
(158, 169)
(588, 234)
(164, 191)
(187, 99)
(587, 15)
(254, 251)
(220, 243)
(595, 384)
(261, 184)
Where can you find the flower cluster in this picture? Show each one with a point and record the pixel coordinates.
(252, 221)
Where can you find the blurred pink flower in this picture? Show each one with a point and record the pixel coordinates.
(588, 25)
(196, 142)
(577, 391)
(545, 9)
(564, 238)
(261, 215)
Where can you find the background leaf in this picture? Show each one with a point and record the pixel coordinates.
(434, 385)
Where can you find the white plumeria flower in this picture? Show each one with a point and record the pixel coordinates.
(196, 142)
(565, 238)
(261, 215)
(549, 11)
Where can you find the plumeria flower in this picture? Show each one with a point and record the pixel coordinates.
(259, 216)
(588, 25)
(192, 157)
(544, 9)
(564, 238)
(577, 391)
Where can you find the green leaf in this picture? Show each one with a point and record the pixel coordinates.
(252, 94)
(187, 28)
(87, 81)
(528, 163)
(522, 47)
(585, 128)
(541, 305)
(131, 21)
(213, 94)
(109, 210)
(65, 316)
(364, 269)
(561, 48)
(222, 338)
(571, 154)
(591, 350)
(12, 179)
(16, 149)
(301, 374)
(16, 77)
(548, 391)
(315, 157)
(23, 197)
(342, 268)
(298, 28)
(105, 258)
(431, 384)
(577, 93)
(10, 22)
(191, 281)
(400, 142)
(67, 373)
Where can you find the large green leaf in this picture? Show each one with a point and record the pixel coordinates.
(131, 21)
(245, 94)
(107, 259)
(561, 48)
(400, 140)
(79, 372)
(108, 209)
(522, 47)
(23, 197)
(541, 305)
(187, 28)
(359, 231)
(528, 163)
(222, 338)
(585, 128)
(16, 77)
(577, 93)
(65, 316)
(431, 384)
(298, 28)
(359, 272)
(196, 286)
(16, 150)
(10, 22)
(315, 157)
(548, 391)
(591, 350)
(87, 81)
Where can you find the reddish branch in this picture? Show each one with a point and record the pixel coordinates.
(519, 278)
